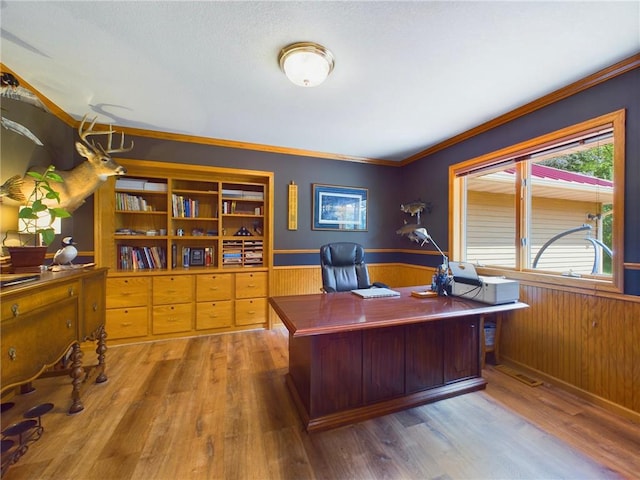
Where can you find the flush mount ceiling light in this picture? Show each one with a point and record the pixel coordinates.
(306, 64)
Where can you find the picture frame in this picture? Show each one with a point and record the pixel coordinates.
(196, 257)
(339, 208)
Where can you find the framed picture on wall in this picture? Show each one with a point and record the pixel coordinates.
(339, 208)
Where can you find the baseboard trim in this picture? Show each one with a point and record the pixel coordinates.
(573, 390)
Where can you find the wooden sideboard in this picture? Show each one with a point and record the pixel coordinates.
(351, 359)
(45, 319)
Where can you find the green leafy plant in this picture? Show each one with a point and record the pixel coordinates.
(36, 208)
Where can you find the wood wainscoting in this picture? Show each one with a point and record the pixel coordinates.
(586, 344)
(301, 280)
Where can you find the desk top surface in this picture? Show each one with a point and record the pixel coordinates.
(46, 279)
(339, 312)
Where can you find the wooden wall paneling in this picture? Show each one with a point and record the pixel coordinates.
(586, 343)
(633, 314)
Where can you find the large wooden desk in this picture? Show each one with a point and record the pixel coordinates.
(44, 319)
(351, 359)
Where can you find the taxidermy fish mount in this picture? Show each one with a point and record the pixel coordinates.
(84, 179)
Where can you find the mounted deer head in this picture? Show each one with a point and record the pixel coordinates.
(84, 179)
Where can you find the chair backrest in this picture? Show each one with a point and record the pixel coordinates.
(343, 267)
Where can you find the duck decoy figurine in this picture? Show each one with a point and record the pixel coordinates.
(66, 254)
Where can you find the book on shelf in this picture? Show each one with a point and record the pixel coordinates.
(141, 258)
(184, 207)
(127, 202)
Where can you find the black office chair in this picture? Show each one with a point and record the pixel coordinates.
(343, 268)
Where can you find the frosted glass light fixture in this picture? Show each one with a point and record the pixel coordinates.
(306, 64)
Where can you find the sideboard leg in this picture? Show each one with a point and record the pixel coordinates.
(101, 350)
(77, 376)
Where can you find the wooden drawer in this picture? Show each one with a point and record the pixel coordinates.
(172, 318)
(173, 288)
(250, 285)
(23, 304)
(214, 314)
(93, 305)
(128, 292)
(30, 343)
(214, 286)
(251, 311)
(127, 322)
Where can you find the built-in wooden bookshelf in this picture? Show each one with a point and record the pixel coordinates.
(182, 222)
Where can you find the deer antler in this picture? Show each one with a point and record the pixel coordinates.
(89, 131)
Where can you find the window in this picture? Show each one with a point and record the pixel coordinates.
(551, 205)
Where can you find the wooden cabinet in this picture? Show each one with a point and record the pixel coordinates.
(214, 287)
(461, 349)
(127, 307)
(190, 244)
(424, 356)
(383, 365)
(36, 339)
(43, 320)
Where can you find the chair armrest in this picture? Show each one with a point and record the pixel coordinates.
(380, 285)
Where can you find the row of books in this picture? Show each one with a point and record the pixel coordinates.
(124, 201)
(141, 258)
(184, 207)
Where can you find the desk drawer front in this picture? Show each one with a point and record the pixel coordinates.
(172, 318)
(214, 314)
(30, 343)
(127, 322)
(249, 285)
(251, 311)
(214, 287)
(171, 289)
(28, 303)
(93, 305)
(128, 292)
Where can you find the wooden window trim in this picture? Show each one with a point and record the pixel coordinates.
(616, 120)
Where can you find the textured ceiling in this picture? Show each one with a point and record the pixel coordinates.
(408, 74)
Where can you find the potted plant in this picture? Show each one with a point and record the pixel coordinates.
(39, 204)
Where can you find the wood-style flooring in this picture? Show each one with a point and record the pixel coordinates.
(217, 408)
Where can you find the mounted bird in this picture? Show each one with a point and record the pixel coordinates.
(67, 253)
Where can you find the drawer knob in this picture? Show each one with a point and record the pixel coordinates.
(15, 309)
(12, 353)
(95, 306)
(71, 292)
(69, 324)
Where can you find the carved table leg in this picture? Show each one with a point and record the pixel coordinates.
(77, 375)
(101, 349)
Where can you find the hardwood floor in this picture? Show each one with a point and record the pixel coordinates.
(217, 407)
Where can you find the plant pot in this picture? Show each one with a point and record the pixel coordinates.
(27, 259)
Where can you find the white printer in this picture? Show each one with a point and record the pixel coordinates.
(467, 283)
